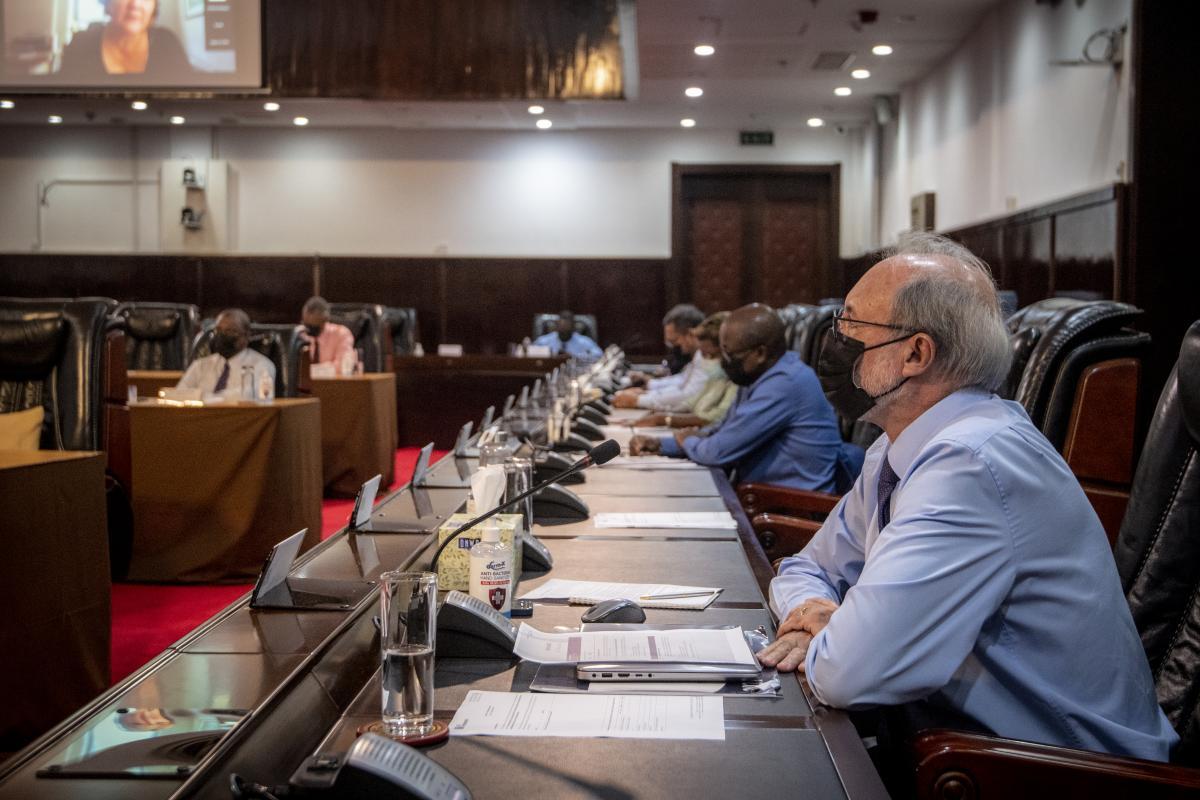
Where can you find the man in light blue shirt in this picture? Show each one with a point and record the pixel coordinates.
(780, 430)
(565, 339)
(966, 567)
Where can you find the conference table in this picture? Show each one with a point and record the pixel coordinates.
(309, 680)
(149, 381)
(54, 588)
(358, 430)
(214, 487)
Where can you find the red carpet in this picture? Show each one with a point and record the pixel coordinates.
(148, 618)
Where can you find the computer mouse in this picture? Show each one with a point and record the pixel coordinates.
(614, 611)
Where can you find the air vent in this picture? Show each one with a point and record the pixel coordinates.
(832, 60)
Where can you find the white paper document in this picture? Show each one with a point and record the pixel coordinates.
(652, 462)
(647, 595)
(676, 645)
(696, 520)
(581, 715)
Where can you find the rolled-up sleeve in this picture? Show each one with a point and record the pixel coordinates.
(937, 573)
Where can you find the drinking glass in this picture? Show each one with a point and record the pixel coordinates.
(407, 630)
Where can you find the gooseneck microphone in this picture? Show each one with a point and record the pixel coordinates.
(600, 454)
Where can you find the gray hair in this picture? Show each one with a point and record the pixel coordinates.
(961, 314)
(684, 317)
(316, 305)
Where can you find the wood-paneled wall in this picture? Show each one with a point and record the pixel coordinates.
(480, 303)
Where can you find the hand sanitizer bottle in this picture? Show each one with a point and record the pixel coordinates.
(492, 570)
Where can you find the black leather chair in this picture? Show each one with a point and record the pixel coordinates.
(402, 322)
(280, 343)
(158, 336)
(584, 323)
(368, 323)
(1158, 560)
(52, 353)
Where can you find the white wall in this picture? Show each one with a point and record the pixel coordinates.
(996, 127)
(407, 193)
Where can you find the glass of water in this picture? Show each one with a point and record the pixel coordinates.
(408, 625)
(518, 478)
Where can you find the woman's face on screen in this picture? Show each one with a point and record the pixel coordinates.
(133, 17)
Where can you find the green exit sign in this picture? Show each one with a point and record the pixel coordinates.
(757, 137)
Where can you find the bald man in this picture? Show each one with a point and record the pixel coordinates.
(965, 569)
(780, 430)
(220, 373)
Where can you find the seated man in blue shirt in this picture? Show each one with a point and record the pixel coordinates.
(780, 429)
(565, 339)
(965, 568)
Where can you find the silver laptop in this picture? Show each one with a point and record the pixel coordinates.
(663, 671)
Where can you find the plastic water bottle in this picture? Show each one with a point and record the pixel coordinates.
(247, 382)
(491, 570)
(266, 387)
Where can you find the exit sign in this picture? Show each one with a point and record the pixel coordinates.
(757, 137)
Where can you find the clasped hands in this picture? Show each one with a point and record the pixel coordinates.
(627, 398)
(641, 445)
(795, 633)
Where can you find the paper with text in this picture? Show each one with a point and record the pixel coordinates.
(675, 520)
(576, 715)
(592, 592)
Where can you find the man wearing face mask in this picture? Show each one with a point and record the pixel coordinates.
(780, 429)
(220, 373)
(965, 574)
(565, 339)
(328, 342)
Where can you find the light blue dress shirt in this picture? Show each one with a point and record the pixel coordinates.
(992, 591)
(577, 345)
(780, 430)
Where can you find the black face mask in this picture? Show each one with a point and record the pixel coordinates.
(225, 345)
(565, 336)
(835, 369)
(314, 330)
(737, 373)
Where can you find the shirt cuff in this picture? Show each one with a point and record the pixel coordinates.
(669, 447)
(643, 400)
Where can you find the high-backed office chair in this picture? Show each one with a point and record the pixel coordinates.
(1075, 369)
(584, 323)
(368, 324)
(1158, 559)
(402, 322)
(280, 343)
(158, 336)
(53, 354)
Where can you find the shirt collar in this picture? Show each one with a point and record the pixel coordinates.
(781, 365)
(902, 452)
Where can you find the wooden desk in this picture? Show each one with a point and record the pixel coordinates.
(311, 680)
(435, 395)
(358, 431)
(214, 488)
(149, 381)
(54, 589)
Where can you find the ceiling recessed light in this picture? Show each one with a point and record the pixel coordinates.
(7, 104)
(139, 105)
(270, 105)
(535, 110)
(815, 122)
(54, 119)
(882, 49)
(860, 74)
(301, 121)
(544, 123)
(693, 91)
(688, 122)
(704, 50)
(842, 91)
(177, 120)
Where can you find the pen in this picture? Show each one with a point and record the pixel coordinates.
(676, 596)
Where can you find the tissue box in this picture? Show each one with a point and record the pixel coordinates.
(454, 565)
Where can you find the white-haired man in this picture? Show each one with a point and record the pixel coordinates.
(965, 568)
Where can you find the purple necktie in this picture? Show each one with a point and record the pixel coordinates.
(887, 484)
(222, 381)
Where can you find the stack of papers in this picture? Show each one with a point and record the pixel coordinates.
(675, 645)
(615, 716)
(695, 520)
(592, 592)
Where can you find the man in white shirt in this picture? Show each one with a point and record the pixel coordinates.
(674, 392)
(220, 373)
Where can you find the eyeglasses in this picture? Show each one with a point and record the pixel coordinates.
(840, 319)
